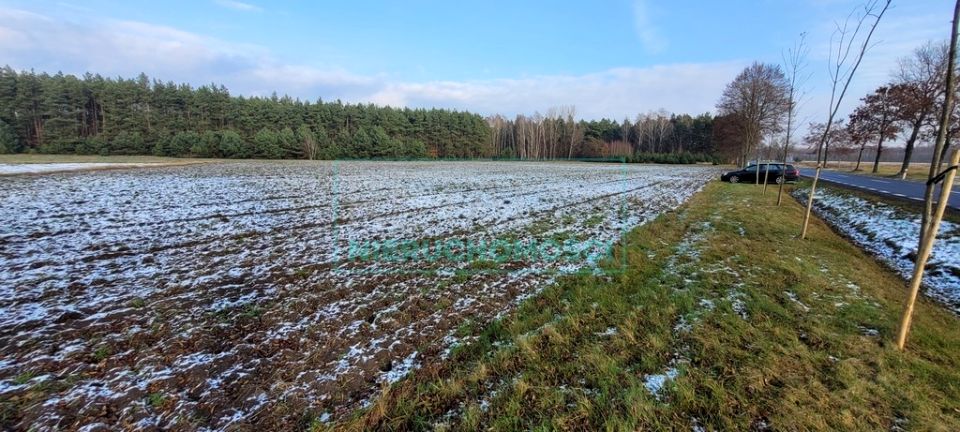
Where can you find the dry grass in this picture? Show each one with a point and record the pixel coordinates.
(812, 349)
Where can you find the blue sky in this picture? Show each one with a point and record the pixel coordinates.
(611, 58)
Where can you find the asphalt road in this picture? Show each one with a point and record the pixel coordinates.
(882, 186)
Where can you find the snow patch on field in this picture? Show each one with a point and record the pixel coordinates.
(796, 300)
(402, 369)
(656, 382)
(42, 168)
(891, 234)
(610, 331)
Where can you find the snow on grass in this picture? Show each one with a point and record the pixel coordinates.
(655, 383)
(891, 234)
(610, 331)
(796, 300)
(401, 369)
(735, 297)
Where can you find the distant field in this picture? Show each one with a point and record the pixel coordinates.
(224, 295)
(20, 164)
(55, 158)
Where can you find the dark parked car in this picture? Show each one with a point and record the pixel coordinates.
(777, 173)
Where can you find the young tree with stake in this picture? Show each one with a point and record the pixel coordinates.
(842, 43)
(930, 222)
(795, 61)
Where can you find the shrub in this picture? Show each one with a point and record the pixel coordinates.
(183, 142)
(231, 145)
(266, 144)
(672, 158)
(8, 139)
(90, 146)
(125, 143)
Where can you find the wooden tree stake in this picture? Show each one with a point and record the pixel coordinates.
(813, 190)
(926, 246)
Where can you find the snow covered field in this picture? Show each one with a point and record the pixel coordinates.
(42, 168)
(891, 234)
(217, 295)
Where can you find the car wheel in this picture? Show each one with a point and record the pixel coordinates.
(734, 179)
(779, 179)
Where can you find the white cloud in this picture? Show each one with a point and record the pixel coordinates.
(648, 33)
(126, 48)
(615, 93)
(111, 47)
(305, 76)
(240, 6)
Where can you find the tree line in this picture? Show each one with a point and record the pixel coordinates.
(91, 114)
(96, 115)
(656, 136)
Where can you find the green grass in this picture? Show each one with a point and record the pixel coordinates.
(102, 353)
(156, 400)
(24, 378)
(804, 357)
(594, 220)
(483, 264)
